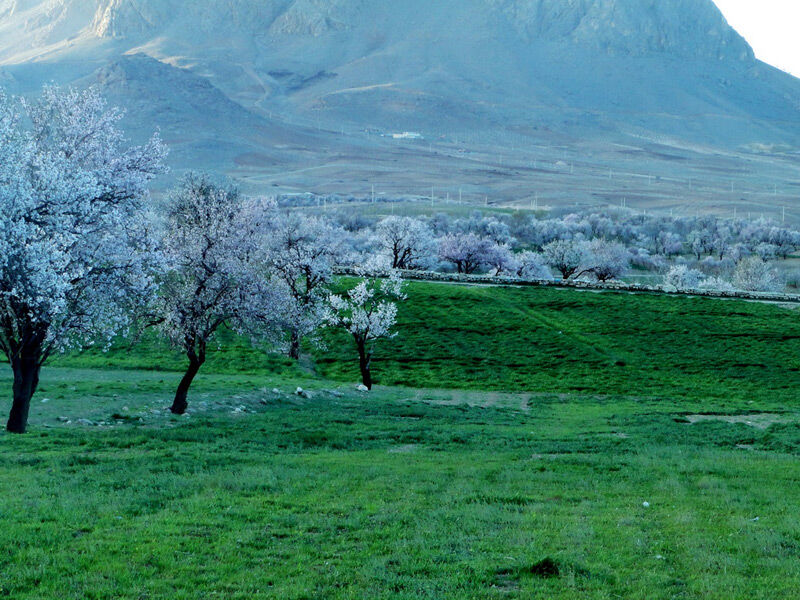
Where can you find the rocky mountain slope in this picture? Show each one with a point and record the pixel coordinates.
(228, 80)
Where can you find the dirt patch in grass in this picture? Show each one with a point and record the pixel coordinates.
(404, 449)
(757, 420)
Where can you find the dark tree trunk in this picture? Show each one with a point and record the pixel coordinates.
(395, 257)
(294, 345)
(26, 379)
(364, 360)
(180, 404)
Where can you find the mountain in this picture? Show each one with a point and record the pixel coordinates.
(262, 87)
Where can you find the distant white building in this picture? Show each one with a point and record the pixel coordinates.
(407, 135)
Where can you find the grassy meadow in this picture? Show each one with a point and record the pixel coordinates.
(521, 443)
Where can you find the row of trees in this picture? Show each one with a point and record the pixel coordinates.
(84, 259)
(238, 262)
(602, 246)
(411, 243)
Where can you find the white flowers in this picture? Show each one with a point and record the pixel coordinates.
(368, 312)
(368, 309)
(74, 247)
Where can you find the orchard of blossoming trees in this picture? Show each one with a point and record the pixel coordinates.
(85, 257)
(686, 252)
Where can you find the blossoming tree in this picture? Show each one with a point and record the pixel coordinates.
(74, 241)
(298, 254)
(208, 246)
(368, 312)
(407, 241)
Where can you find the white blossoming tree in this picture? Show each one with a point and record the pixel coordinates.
(565, 256)
(466, 251)
(74, 243)
(532, 266)
(408, 242)
(683, 278)
(208, 282)
(754, 274)
(368, 312)
(606, 260)
(299, 253)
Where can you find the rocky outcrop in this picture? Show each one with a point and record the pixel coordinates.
(629, 27)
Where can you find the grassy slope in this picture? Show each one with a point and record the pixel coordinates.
(599, 343)
(426, 494)
(545, 340)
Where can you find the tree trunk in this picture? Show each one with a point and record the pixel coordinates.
(26, 379)
(180, 404)
(364, 359)
(294, 345)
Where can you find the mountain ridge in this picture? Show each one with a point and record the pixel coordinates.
(505, 73)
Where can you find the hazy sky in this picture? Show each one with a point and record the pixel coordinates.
(771, 27)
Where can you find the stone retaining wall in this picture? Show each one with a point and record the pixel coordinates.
(617, 286)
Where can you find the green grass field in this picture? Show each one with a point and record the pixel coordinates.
(511, 427)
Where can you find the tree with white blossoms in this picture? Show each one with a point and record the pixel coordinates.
(502, 260)
(74, 238)
(565, 256)
(753, 274)
(299, 252)
(682, 278)
(368, 312)
(531, 266)
(208, 244)
(606, 260)
(408, 242)
(466, 251)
